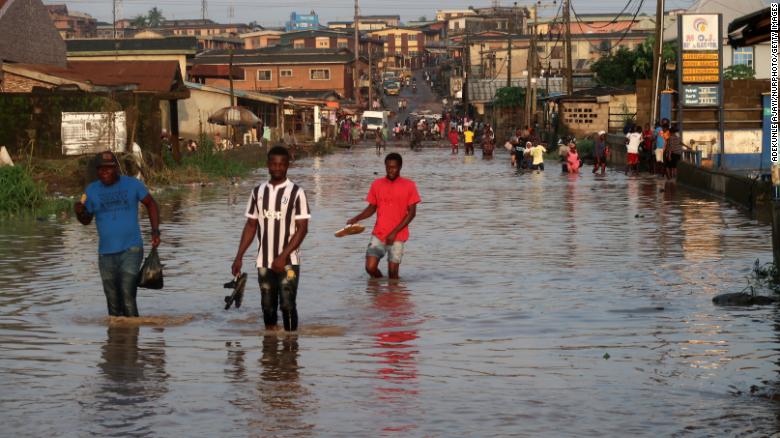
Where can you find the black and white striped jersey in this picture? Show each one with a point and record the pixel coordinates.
(276, 210)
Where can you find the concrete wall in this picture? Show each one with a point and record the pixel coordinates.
(752, 194)
(195, 111)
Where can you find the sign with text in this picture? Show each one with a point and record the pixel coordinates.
(701, 95)
(700, 32)
(700, 67)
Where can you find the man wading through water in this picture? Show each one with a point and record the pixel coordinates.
(113, 201)
(278, 214)
(394, 200)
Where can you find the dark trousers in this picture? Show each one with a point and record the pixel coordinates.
(278, 290)
(119, 273)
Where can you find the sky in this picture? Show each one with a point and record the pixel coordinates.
(276, 12)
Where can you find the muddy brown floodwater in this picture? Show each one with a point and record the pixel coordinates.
(529, 305)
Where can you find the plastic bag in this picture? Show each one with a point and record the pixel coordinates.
(151, 275)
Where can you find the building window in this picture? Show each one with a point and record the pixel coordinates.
(299, 44)
(342, 43)
(743, 56)
(319, 74)
(239, 77)
(264, 75)
(285, 73)
(323, 43)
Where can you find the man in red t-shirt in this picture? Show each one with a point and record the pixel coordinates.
(394, 200)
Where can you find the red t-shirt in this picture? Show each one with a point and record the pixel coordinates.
(392, 200)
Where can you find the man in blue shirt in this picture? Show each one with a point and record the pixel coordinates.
(113, 201)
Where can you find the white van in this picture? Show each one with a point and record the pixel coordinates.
(374, 119)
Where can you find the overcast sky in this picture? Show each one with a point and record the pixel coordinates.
(276, 12)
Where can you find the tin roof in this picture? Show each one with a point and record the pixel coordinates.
(187, 45)
(146, 76)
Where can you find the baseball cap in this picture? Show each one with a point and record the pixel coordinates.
(602, 132)
(106, 158)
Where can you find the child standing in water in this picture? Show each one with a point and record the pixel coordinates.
(453, 135)
(573, 159)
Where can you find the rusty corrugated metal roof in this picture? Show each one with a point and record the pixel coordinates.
(148, 76)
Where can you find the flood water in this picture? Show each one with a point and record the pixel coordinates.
(529, 305)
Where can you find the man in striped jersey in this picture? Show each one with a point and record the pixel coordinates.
(278, 214)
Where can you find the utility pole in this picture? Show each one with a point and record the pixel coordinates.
(357, 54)
(567, 46)
(532, 67)
(114, 15)
(464, 88)
(203, 10)
(370, 77)
(509, 46)
(658, 57)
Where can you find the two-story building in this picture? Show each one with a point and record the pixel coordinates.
(72, 24)
(261, 38)
(367, 23)
(403, 47)
(198, 27)
(178, 49)
(280, 69)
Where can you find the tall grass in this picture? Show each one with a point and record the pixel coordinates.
(19, 191)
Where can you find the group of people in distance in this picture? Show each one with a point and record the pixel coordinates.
(662, 147)
(277, 217)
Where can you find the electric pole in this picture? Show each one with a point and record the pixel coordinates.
(464, 88)
(530, 87)
(370, 77)
(509, 47)
(567, 46)
(203, 10)
(114, 15)
(357, 54)
(658, 57)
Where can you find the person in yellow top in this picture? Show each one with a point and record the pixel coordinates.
(468, 138)
(537, 154)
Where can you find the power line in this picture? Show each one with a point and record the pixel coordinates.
(613, 21)
(622, 37)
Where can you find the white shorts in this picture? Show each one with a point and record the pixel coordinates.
(659, 155)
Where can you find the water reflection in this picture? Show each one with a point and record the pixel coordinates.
(134, 379)
(277, 404)
(396, 351)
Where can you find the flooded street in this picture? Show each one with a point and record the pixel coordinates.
(529, 305)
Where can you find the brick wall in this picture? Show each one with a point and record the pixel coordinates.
(28, 35)
(18, 84)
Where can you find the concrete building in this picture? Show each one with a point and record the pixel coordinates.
(368, 23)
(403, 47)
(27, 34)
(281, 68)
(261, 38)
(449, 14)
(199, 27)
(589, 111)
(178, 49)
(72, 24)
(757, 56)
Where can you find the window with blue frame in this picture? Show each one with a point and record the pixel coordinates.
(743, 56)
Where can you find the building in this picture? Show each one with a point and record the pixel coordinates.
(597, 23)
(757, 56)
(504, 19)
(588, 111)
(261, 38)
(218, 42)
(329, 39)
(448, 14)
(178, 49)
(302, 22)
(281, 69)
(72, 24)
(106, 30)
(403, 47)
(197, 27)
(27, 34)
(368, 22)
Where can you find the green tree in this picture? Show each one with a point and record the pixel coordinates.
(624, 67)
(739, 71)
(154, 17)
(509, 97)
(422, 18)
(138, 21)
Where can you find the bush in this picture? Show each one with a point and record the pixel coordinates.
(18, 190)
(213, 163)
(585, 147)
